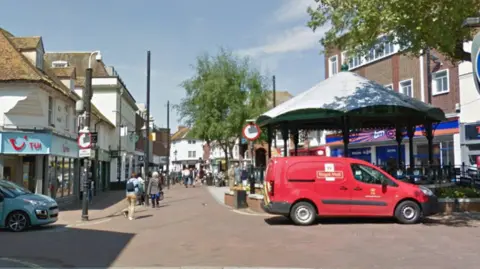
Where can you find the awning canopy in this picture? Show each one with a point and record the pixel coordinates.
(366, 103)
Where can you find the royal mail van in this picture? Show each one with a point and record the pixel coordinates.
(304, 187)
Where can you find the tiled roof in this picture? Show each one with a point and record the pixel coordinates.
(79, 60)
(26, 43)
(65, 72)
(180, 134)
(17, 68)
(281, 97)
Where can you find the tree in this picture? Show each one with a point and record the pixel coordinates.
(416, 24)
(223, 93)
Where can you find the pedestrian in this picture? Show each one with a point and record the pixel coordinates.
(186, 176)
(154, 189)
(91, 189)
(141, 189)
(191, 179)
(131, 194)
(244, 176)
(237, 174)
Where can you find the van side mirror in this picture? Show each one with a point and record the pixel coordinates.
(384, 183)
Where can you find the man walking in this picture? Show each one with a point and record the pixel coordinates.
(132, 192)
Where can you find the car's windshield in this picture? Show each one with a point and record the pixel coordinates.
(12, 189)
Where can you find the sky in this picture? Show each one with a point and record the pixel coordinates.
(272, 33)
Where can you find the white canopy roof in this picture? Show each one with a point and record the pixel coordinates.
(346, 92)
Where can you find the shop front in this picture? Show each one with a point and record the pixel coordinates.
(102, 169)
(63, 168)
(22, 158)
(380, 147)
(311, 151)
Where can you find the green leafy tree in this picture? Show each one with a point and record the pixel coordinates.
(417, 24)
(224, 92)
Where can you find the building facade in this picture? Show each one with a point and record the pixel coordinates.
(185, 151)
(38, 134)
(407, 75)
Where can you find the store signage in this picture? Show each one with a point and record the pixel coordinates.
(26, 143)
(64, 147)
(472, 132)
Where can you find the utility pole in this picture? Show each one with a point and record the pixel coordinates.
(147, 128)
(429, 101)
(87, 98)
(274, 105)
(168, 146)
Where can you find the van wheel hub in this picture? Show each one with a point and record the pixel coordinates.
(303, 214)
(409, 212)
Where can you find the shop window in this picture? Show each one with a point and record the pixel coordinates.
(71, 174)
(448, 155)
(59, 176)
(66, 177)
(52, 177)
(421, 158)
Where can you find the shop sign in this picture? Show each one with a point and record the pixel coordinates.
(26, 143)
(472, 132)
(64, 147)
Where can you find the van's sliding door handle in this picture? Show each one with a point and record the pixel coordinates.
(343, 188)
(357, 189)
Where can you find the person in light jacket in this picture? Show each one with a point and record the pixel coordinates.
(154, 189)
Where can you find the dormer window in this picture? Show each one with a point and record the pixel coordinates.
(59, 64)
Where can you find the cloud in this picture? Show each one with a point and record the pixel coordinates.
(296, 39)
(293, 10)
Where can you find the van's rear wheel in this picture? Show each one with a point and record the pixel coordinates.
(303, 213)
(408, 212)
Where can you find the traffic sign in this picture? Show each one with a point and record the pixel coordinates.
(251, 131)
(84, 141)
(85, 153)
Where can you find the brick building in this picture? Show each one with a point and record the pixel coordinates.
(408, 75)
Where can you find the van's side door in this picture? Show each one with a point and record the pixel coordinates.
(332, 186)
(369, 197)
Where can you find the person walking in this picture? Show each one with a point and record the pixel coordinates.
(186, 176)
(141, 189)
(154, 189)
(131, 194)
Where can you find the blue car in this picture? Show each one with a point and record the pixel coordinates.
(21, 209)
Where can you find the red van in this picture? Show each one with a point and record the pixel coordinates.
(304, 187)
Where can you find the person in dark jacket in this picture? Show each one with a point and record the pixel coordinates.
(154, 189)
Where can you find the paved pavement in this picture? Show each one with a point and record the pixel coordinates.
(192, 229)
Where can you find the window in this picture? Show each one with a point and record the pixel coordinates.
(440, 83)
(192, 154)
(406, 87)
(332, 65)
(369, 175)
(59, 64)
(389, 87)
(191, 142)
(50, 111)
(382, 49)
(67, 118)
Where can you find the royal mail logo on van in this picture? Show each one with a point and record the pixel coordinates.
(325, 174)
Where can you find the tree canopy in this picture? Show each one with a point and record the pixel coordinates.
(416, 24)
(224, 92)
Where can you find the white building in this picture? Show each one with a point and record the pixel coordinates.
(185, 150)
(469, 136)
(37, 119)
(112, 98)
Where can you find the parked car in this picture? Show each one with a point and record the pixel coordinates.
(302, 188)
(21, 209)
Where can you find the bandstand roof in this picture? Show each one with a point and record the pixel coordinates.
(366, 103)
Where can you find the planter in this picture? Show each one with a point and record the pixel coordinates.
(228, 198)
(254, 202)
(450, 205)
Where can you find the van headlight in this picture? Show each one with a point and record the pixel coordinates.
(426, 191)
(35, 203)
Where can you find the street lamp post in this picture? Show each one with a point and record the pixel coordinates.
(147, 127)
(87, 108)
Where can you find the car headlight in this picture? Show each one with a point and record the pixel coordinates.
(426, 191)
(35, 203)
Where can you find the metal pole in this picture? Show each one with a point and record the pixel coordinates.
(168, 146)
(87, 97)
(119, 124)
(252, 176)
(147, 128)
(429, 76)
(274, 105)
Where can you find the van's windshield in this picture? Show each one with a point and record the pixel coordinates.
(11, 189)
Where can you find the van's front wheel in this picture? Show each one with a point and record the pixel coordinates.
(303, 213)
(408, 212)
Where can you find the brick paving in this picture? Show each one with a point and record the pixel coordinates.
(192, 229)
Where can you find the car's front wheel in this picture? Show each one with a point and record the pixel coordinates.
(17, 221)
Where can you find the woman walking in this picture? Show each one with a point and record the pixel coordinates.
(154, 189)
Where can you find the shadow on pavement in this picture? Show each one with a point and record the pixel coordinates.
(451, 221)
(279, 220)
(60, 247)
(144, 216)
(101, 202)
